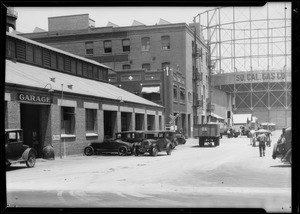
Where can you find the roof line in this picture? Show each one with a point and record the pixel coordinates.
(56, 50)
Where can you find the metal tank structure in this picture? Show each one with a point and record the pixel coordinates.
(250, 57)
(11, 18)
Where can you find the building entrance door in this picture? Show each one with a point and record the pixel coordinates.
(31, 125)
(110, 124)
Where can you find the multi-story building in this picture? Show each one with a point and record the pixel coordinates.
(165, 63)
(64, 100)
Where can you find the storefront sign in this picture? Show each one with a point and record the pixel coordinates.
(55, 137)
(255, 77)
(33, 98)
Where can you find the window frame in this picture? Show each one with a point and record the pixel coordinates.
(109, 48)
(175, 92)
(91, 126)
(68, 112)
(148, 65)
(88, 48)
(123, 67)
(164, 42)
(145, 44)
(182, 92)
(126, 48)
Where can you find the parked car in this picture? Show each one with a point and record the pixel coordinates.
(133, 137)
(180, 138)
(171, 135)
(109, 146)
(245, 131)
(283, 148)
(16, 151)
(235, 131)
(156, 141)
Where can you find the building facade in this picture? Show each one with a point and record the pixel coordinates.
(65, 101)
(266, 95)
(162, 63)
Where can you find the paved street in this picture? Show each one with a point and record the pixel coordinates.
(229, 176)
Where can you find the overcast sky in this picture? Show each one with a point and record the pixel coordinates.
(31, 17)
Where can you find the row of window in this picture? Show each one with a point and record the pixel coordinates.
(34, 54)
(146, 66)
(145, 45)
(68, 121)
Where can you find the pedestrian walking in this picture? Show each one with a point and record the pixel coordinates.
(262, 144)
(251, 135)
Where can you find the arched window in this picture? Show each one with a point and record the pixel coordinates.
(126, 67)
(146, 66)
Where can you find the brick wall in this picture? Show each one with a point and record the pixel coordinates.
(74, 22)
(55, 128)
(13, 115)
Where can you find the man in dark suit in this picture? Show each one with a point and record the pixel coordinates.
(262, 144)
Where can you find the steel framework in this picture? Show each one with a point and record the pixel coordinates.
(250, 40)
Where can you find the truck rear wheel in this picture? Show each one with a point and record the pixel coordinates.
(201, 142)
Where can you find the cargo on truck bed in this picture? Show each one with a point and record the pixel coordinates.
(208, 134)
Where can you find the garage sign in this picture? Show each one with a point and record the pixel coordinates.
(33, 98)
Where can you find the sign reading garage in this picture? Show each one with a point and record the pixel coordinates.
(33, 98)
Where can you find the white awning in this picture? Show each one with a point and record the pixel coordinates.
(217, 116)
(152, 89)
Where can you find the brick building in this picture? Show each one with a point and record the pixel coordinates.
(162, 63)
(65, 100)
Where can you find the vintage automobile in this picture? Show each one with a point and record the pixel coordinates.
(109, 146)
(16, 151)
(171, 135)
(133, 137)
(244, 131)
(180, 138)
(283, 148)
(156, 141)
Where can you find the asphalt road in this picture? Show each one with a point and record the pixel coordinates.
(231, 175)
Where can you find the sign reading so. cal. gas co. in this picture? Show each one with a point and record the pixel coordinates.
(34, 98)
(260, 77)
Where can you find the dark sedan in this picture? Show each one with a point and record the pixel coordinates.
(15, 149)
(108, 146)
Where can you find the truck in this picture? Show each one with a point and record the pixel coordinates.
(207, 133)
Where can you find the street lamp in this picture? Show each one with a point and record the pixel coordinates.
(121, 99)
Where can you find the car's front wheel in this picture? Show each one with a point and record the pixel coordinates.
(7, 164)
(154, 151)
(169, 150)
(88, 151)
(122, 151)
(30, 160)
(274, 151)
